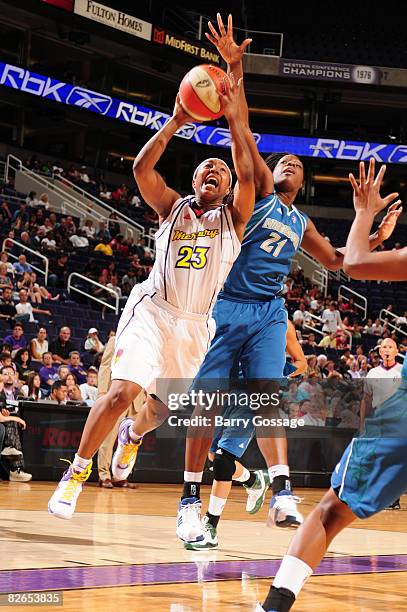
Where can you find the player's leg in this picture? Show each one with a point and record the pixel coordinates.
(102, 417)
(306, 551)
(130, 436)
(264, 368)
(213, 375)
(229, 444)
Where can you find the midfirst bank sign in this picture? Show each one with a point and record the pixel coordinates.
(35, 84)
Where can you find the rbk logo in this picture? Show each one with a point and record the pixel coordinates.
(91, 100)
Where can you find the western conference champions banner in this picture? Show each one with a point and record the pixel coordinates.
(24, 80)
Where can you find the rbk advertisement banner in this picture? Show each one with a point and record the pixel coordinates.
(46, 87)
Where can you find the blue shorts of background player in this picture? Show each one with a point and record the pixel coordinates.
(372, 472)
(236, 438)
(254, 333)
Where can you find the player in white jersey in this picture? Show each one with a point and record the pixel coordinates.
(166, 327)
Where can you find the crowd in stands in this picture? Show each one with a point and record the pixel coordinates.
(339, 344)
(122, 197)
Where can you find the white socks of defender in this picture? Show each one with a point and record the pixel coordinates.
(292, 574)
(216, 505)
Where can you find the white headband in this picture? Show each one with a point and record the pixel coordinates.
(217, 159)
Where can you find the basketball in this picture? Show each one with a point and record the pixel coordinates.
(199, 92)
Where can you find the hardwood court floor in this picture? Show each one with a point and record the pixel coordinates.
(120, 552)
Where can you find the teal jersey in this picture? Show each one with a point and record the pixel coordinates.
(272, 238)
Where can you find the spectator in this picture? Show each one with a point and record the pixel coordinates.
(76, 368)
(59, 392)
(63, 372)
(88, 230)
(48, 373)
(84, 176)
(312, 414)
(377, 328)
(12, 445)
(74, 393)
(79, 240)
(92, 343)
(353, 371)
(114, 286)
(328, 341)
(32, 199)
(4, 260)
(39, 345)
(368, 328)
(331, 372)
(62, 346)
(7, 307)
(22, 266)
(5, 280)
(16, 339)
(104, 192)
(25, 309)
(58, 271)
(32, 390)
(331, 319)
(364, 368)
(103, 233)
(130, 278)
(104, 247)
(44, 201)
(89, 389)
(300, 315)
(48, 243)
(22, 360)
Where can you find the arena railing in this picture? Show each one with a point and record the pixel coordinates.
(51, 187)
(90, 296)
(35, 253)
(392, 315)
(92, 198)
(320, 278)
(363, 306)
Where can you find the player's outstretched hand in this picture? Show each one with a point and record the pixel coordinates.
(230, 96)
(389, 222)
(224, 41)
(180, 116)
(366, 193)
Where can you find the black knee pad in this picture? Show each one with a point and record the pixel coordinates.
(223, 466)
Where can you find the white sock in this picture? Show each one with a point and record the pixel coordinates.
(80, 463)
(292, 574)
(193, 476)
(244, 476)
(278, 470)
(133, 436)
(216, 505)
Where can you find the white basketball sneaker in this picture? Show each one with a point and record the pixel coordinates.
(125, 454)
(63, 502)
(210, 539)
(189, 524)
(257, 492)
(283, 510)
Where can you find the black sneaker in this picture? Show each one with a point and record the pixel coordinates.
(394, 506)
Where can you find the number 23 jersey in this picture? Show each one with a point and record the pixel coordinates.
(195, 251)
(272, 238)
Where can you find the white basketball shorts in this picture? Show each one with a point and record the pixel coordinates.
(157, 342)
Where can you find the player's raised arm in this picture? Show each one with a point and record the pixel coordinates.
(359, 262)
(333, 258)
(232, 53)
(150, 183)
(244, 191)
